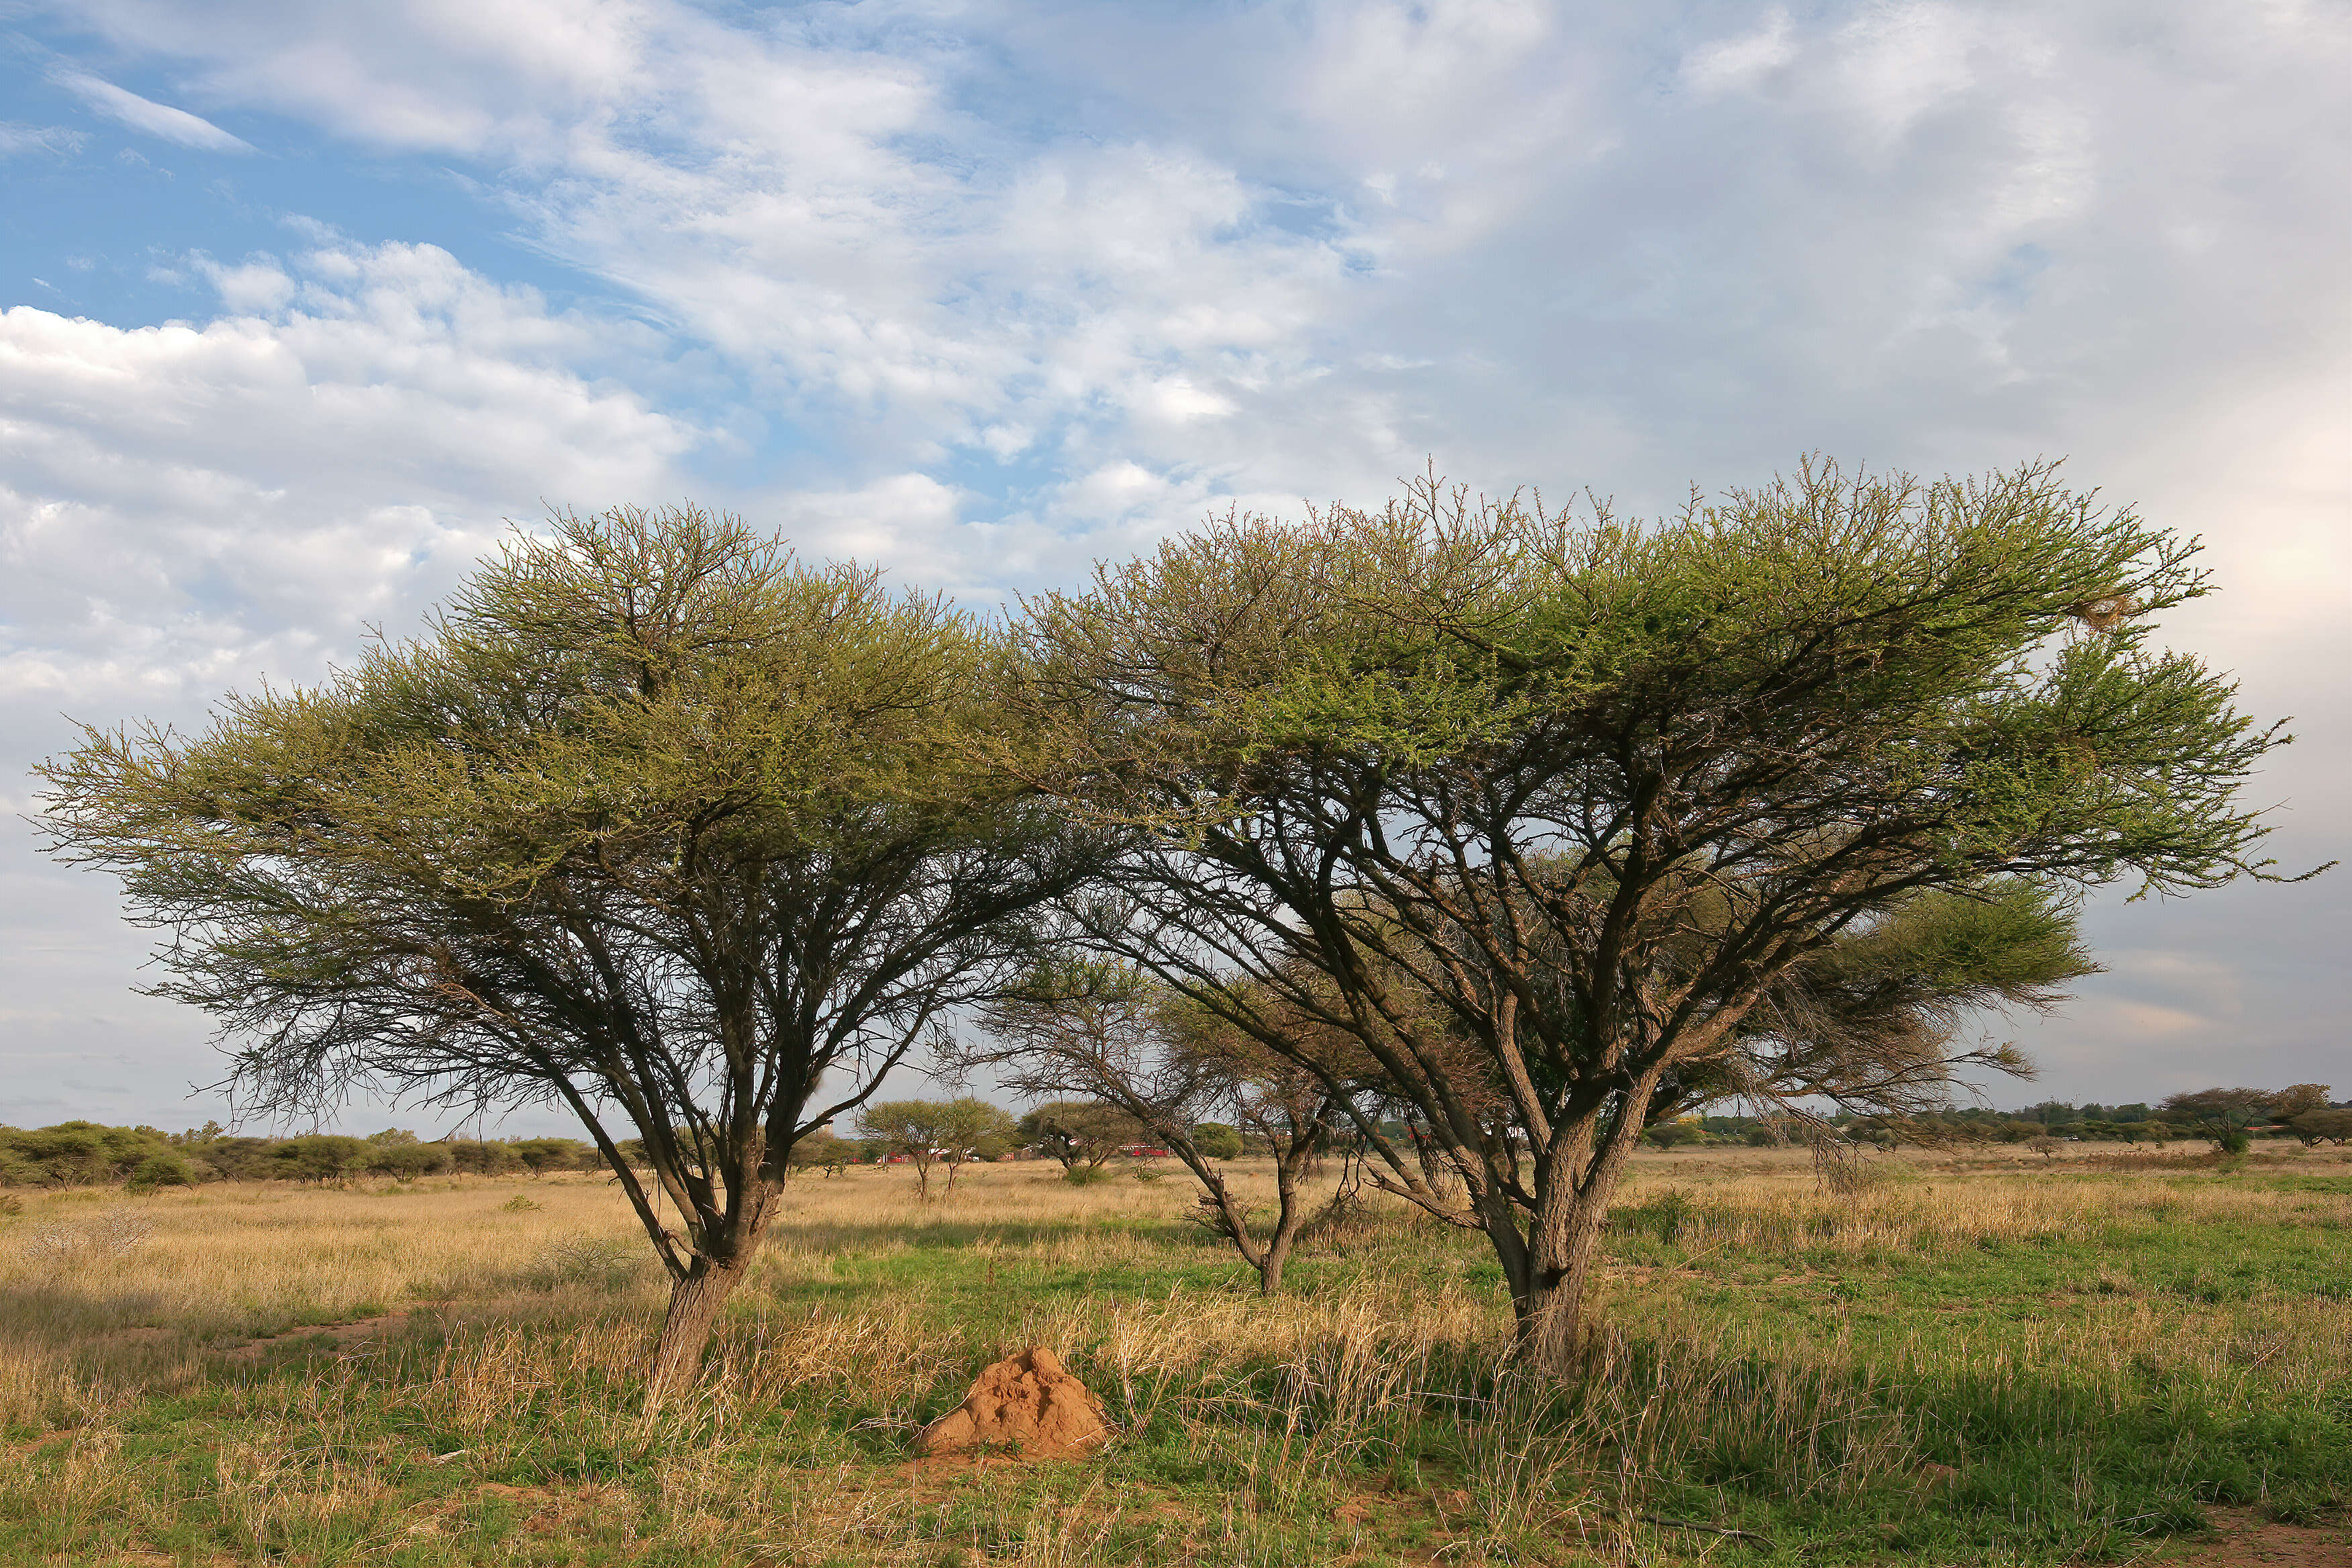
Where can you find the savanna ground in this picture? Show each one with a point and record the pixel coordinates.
(2095, 1359)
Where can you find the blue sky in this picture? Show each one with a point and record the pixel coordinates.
(300, 301)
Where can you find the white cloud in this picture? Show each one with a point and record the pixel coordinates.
(1742, 62)
(159, 119)
(184, 509)
(180, 507)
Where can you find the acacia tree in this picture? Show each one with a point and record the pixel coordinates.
(972, 1129)
(652, 822)
(1600, 790)
(2312, 1127)
(1076, 1133)
(913, 1130)
(1160, 1064)
(2221, 1116)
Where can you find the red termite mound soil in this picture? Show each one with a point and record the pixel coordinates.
(1026, 1405)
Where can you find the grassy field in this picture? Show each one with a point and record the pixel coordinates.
(1969, 1363)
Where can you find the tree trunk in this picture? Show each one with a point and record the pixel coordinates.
(1554, 1262)
(695, 1303)
(1270, 1262)
(1548, 1299)
(1290, 1212)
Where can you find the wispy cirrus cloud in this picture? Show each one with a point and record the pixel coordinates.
(16, 138)
(160, 119)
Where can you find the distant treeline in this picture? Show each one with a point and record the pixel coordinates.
(85, 1154)
(2227, 1116)
(89, 1153)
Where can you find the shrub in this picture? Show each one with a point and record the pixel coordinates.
(821, 1151)
(407, 1162)
(480, 1159)
(1217, 1141)
(541, 1155)
(240, 1159)
(2313, 1126)
(76, 1153)
(161, 1171)
(320, 1157)
(598, 1262)
(110, 1234)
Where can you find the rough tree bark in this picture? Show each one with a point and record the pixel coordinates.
(696, 1303)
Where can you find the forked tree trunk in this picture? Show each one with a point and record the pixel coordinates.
(1550, 1266)
(1290, 1211)
(1267, 1258)
(1549, 1287)
(695, 1303)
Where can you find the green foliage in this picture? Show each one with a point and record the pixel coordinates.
(2316, 1126)
(652, 818)
(929, 1133)
(160, 1170)
(1217, 1141)
(541, 1155)
(477, 1157)
(1754, 800)
(322, 1157)
(822, 1150)
(76, 1153)
(408, 1162)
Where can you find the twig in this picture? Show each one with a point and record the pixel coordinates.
(1723, 1530)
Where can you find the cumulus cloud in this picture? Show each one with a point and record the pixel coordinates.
(159, 119)
(179, 505)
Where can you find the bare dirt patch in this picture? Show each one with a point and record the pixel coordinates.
(344, 1336)
(2250, 1540)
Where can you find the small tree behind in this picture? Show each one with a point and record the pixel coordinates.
(2330, 1126)
(542, 1155)
(2220, 1116)
(1217, 1141)
(823, 1150)
(322, 1157)
(1078, 1133)
(2286, 1104)
(971, 1129)
(913, 1130)
(1161, 1065)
